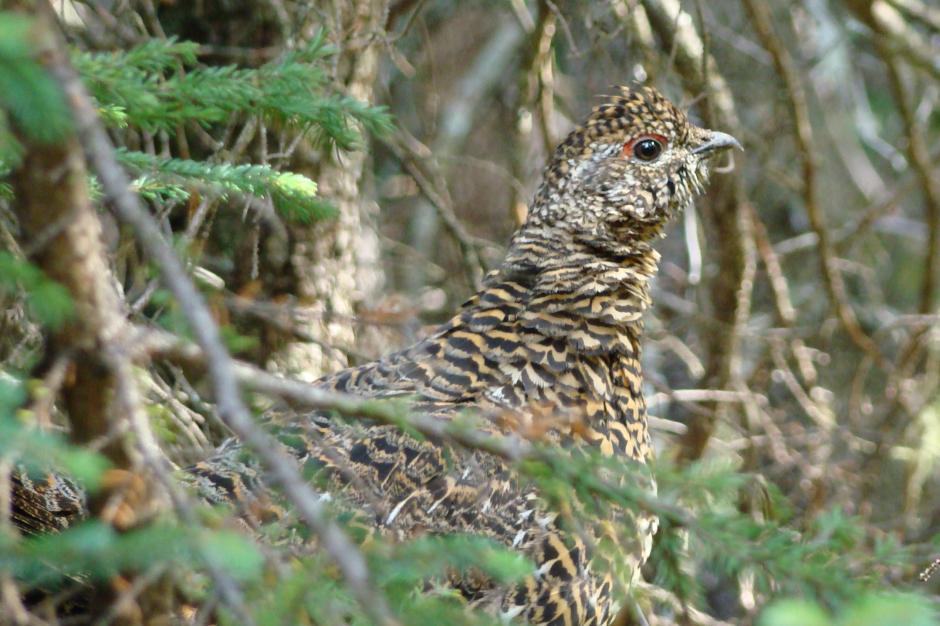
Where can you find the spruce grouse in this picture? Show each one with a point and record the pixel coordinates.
(552, 339)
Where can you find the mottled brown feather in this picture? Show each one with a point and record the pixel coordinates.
(551, 344)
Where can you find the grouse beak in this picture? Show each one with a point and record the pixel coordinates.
(717, 141)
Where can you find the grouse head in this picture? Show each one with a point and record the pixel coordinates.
(634, 163)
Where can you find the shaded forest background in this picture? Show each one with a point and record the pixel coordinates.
(792, 357)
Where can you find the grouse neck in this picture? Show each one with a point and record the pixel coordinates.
(601, 275)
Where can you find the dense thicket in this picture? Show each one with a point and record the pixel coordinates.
(332, 176)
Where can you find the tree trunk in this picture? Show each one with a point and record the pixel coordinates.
(336, 263)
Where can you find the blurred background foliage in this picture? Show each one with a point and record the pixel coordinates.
(338, 176)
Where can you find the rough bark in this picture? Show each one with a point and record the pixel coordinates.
(62, 235)
(60, 232)
(336, 263)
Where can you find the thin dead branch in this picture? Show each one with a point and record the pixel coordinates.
(730, 290)
(510, 447)
(799, 111)
(920, 161)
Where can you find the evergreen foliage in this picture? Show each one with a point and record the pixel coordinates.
(27, 93)
(841, 575)
(171, 179)
(155, 87)
(48, 301)
(830, 562)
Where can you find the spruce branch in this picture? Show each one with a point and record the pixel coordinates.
(143, 87)
(293, 194)
(232, 409)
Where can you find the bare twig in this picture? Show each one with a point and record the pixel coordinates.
(128, 403)
(434, 188)
(919, 158)
(704, 395)
(778, 281)
(778, 284)
(52, 384)
(536, 92)
(920, 11)
(565, 27)
(455, 121)
(930, 570)
(820, 415)
(282, 319)
(127, 597)
(799, 111)
(894, 33)
(690, 615)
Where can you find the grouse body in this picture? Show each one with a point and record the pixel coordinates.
(550, 345)
(553, 338)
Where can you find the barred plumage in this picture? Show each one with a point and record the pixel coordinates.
(550, 344)
(553, 337)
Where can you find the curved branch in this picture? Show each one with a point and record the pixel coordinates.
(799, 111)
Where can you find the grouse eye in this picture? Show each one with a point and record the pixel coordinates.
(647, 149)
